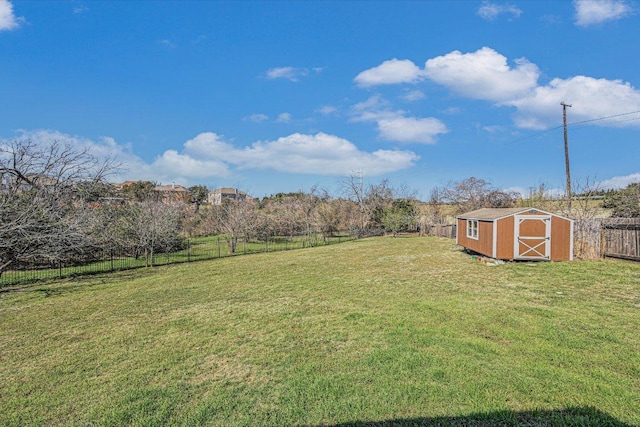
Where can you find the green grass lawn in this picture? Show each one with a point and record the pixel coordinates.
(377, 332)
(196, 249)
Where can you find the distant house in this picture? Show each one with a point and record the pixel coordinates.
(119, 186)
(516, 234)
(173, 192)
(26, 182)
(217, 196)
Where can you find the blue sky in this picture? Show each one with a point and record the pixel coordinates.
(283, 96)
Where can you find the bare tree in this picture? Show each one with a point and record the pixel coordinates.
(353, 190)
(375, 203)
(42, 217)
(475, 193)
(587, 212)
(371, 201)
(145, 228)
(349, 216)
(329, 216)
(236, 218)
(308, 208)
(434, 212)
(284, 212)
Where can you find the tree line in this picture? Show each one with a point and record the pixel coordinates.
(57, 206)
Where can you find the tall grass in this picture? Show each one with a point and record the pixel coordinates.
(383, 331)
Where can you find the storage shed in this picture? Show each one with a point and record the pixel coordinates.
(516, 234)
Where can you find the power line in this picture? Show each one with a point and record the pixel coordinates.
(613, 122)
(604, 118)
(566, 152)
(579, 124)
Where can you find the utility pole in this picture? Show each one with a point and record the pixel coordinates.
(358, 189)
(566, 152)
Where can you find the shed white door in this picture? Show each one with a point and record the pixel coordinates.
(532, 237)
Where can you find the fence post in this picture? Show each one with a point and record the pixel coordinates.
(111, 258)
(188, 250)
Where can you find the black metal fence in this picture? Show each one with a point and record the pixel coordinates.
(195, 249)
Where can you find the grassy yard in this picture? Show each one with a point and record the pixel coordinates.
(376, 332)
(196, 249)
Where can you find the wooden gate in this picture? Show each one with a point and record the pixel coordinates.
(532, 237)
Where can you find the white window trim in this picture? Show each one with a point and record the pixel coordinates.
(472, 225)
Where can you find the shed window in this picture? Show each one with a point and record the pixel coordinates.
(472, 228)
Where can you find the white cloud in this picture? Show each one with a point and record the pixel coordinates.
(451, 111)
(207, 144)
(373, 109)
(104, 148)
(618, 182)
(411, 129)
(590, 99)
(284, 118)
(8, 21)
(78, 10)
(394, 125)
(491, 11)
(590, 12)
(209, 156)
(167, 43)
(323, 154)
(486, 75)
(290, 73)
(483, 74)
(256, 118)
(552, 19)
(173, 164)
(326, 110)
(414, 95)
(320, 154)
(393, 71)
(493, 128)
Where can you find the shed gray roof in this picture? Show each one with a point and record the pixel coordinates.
(493, 213)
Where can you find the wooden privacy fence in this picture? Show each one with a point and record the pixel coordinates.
(440, 230)
(621, 238)
(611, 237)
